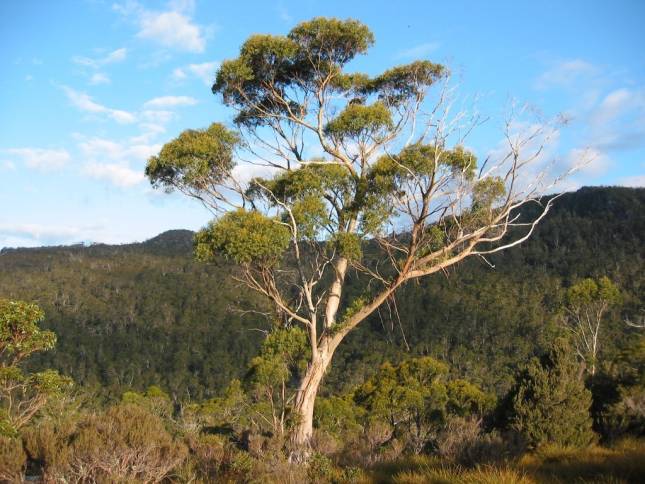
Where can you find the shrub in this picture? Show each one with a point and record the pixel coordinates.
(550, 403)
(12, 459)
(125, 443)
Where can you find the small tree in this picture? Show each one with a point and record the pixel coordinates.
(549, 403)
(587, 304)
(23, 395)
(349, 159)
(416, 397)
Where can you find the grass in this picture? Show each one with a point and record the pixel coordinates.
(623, 463)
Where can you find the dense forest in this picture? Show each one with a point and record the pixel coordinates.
(143, 314)
(164, 370)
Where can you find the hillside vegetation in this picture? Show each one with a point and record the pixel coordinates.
(135, 315)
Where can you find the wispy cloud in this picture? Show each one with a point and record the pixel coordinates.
(99, 78)
(117, 55)
(39, 158)
(418, 51)
(85, 103)
(607, 116)
(170, 101)
(172, 28)
(618, 121)
(39, 232)
(204, 71)
(565, 73)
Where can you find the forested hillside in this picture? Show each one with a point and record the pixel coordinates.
(147, 313)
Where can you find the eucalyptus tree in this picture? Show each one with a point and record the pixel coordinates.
(344, 160)
(587, 303)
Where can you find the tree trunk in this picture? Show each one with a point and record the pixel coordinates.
(304, 403)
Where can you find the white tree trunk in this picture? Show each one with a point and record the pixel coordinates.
(305, 400)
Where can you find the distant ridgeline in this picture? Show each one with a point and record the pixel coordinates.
(140, 314)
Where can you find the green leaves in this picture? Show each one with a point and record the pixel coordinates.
(550, 403)
(487, 192)
(284, 350)
(358, 121)
(195, 160)
(20, 335)
(331, 40)
(405, 82)
(244, 236)
(348, 245)
(23, 394)
(589, 292)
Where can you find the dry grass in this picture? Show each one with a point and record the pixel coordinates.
(624, 463)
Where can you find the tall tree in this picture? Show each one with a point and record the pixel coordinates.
(587, 303)
(349, 161)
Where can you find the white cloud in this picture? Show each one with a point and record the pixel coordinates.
(170, 101)
(119, 163)
(116, 174)
(565, 74)
(204, 71)
(117, 55)
(29, 77)
(172, 28)
(419, 51)
(99, 78)
(85, 103)
(8, 165)
(42, 159)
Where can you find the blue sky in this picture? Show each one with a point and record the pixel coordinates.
(90, 89)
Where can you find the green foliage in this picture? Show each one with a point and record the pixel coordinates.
(154, 399)
(245, 237)
(284, 351)
(465, 399)
(20, 335)
(399, 394)
(589, 294)
(307, 191)
(487, 192)
(22, 395)
(348, 245)
(404, 82)
(195, 160)
(338, 415)
(269, 64)
(332, 41)
(416, 399)
(134, 315)
(358, 121)
(550, 403)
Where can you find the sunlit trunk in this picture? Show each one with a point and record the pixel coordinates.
(305, 401)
